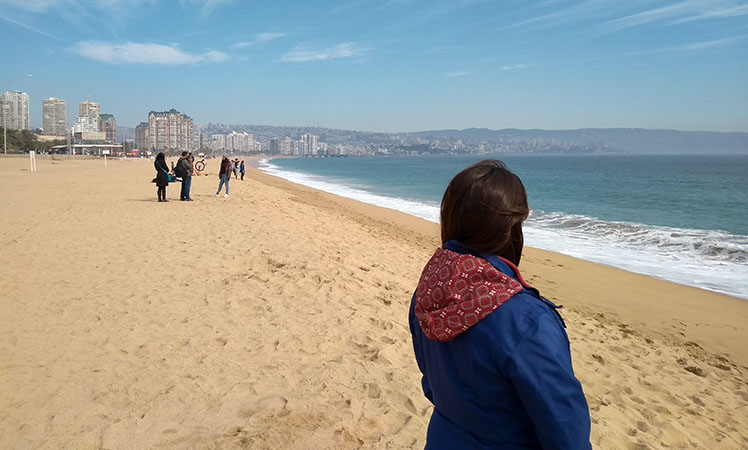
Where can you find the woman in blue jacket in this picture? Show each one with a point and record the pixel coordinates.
(494, 354)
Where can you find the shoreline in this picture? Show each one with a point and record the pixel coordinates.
(277, 318)
(663, 317)
(413, 209)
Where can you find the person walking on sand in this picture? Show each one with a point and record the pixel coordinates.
(225, 176)
(185, 165)
(162, 176)
(236, 168)
(242, 170)
(493, 352)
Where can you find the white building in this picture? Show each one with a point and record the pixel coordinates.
(86, 125)
(218, 142)
(54, 116)
(233, 142)
(90, 110)
(308, 145)
(14, 110)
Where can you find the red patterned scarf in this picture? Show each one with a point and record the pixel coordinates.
(457, 291)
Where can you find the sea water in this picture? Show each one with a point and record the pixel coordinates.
(677, 218)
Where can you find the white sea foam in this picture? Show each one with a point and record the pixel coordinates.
(711, 260)
(428, 211)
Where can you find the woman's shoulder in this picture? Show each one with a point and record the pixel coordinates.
(519, 316)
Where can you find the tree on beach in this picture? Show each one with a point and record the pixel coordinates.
(24, 140)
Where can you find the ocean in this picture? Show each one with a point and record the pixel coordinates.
(678, 218)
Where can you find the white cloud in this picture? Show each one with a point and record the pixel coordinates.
(515, 67)
(32, 5)
(208, 5)
(29, 27)
(144, 53)
(78, 5)
(340, 51)
(695, 46)
(240, 45)
(653, 15)
(115, 7)
(674, 14)
(459, 73)
(719, 13)
(259, 39)
(441, 49)
(267, 37)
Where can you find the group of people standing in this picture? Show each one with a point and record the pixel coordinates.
(238, 168)
(184, 170)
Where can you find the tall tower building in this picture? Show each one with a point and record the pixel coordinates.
(309, 144)
(141, 137)
(90, 110)
(170, 131)
(54, 121)
(15, 110)
(109, 126)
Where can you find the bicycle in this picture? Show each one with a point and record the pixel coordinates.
(199, 166)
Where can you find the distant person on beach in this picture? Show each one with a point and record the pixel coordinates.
(225, 176)
(185, 172)
(493, 352)
(242, 170)
(236, 168)
(162, 176)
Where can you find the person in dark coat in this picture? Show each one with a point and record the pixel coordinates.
(162, 176)
(224, 175)
(494, 353)
(186, 162)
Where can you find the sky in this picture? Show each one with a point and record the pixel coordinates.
(387, 65)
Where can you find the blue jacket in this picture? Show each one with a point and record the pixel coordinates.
(500, 374)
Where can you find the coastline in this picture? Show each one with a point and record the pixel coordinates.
(705, 258)
(597, 284)
(277, 318)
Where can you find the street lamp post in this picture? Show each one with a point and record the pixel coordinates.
(5, 116)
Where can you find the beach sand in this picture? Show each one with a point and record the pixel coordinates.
(277, 318)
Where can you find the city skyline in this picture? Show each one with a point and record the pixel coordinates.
(391, 66)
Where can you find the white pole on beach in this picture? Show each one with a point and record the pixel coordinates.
(105, 160)
(32, 160)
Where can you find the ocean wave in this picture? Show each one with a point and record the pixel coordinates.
(710, 244)
(712, 260)
(424, 210)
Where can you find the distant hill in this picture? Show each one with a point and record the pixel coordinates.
(124, 133)
(629, 140)
(611, 140)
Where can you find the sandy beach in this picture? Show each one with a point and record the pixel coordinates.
(277, 319)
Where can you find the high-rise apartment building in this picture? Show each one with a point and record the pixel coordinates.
(109, 127)
(86, 125)
(308, 145)
(15, 110)
(170, 131)
(54, 121)
(141, 136)
(274, 146)
(90, 110)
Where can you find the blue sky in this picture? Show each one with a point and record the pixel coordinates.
(388, 65)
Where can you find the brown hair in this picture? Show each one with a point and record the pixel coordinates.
(483, 208)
